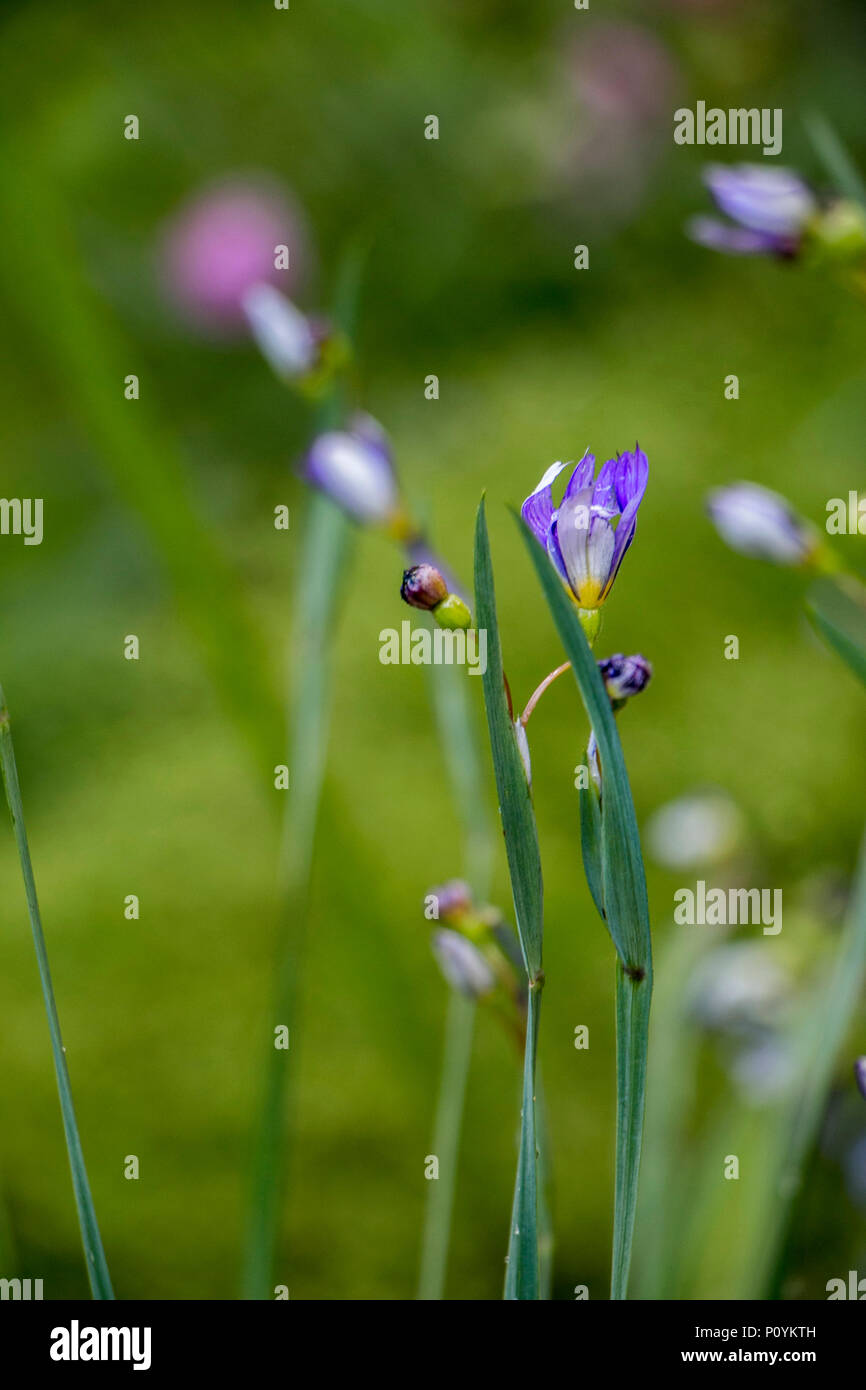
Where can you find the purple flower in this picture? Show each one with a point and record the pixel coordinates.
(860, 1075)
(579, 535)
(625, 676)
(769, 209)
(223, 242)
(760, 523)
(354, 467)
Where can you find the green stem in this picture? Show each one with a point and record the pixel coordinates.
(322, 577)
(633, 996)
(522, 1273)
(446, 1144)
(97, 1268)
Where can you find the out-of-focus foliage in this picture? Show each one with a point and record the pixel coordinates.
(555, 130)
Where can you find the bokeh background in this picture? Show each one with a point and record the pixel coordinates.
(555, 129)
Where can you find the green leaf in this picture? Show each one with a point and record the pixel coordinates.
(590, 842)
(97, 1267)
(515, 800)
(522, 1275)
(524, 865)
(623, 894)
(834, 155)
(623, 879)
(841, 620)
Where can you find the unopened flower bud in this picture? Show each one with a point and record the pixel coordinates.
(285, 337)
(423, 587)
(452, 613)
(860, 1075)
(354, 468)
(462, 964)
(760, 523)
(625, 676)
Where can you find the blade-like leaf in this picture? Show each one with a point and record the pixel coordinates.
(97, 1267)
(623, 878)
(590, 844)
(522, 1275)
(524, 866)
(841, 620)
(515, 800)
(833, 154)
(623, 895)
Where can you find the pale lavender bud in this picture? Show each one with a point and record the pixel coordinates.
(284, 336)
(760, 523)
(860, 1075)
(354, 468)
(462, 964)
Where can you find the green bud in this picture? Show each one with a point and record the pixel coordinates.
(590, 621)
(452, 613)
(839, 231)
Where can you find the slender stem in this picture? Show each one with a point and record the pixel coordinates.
(97, 1268)
(537, 693)
(633, 993)
(446, 1144)
(322, 579)
(522, 1271)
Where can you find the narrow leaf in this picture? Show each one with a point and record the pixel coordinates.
(590, 844)
(97, 1267)
(515, 800)
(623, 879)
(834, 155)
(841, 620)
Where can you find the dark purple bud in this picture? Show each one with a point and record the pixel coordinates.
(625, 676)
(423, 587)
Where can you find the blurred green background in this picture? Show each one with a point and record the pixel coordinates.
(555, 129)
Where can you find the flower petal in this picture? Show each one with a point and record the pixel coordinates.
(537, 511)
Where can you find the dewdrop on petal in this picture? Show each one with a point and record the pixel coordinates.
(462, 964)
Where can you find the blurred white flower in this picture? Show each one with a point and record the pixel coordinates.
(462, 964)
(699, 829)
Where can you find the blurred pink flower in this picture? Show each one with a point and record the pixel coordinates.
(225, 240)
(625, 81)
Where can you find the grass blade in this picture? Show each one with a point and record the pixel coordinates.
(522, 1276)
(838, 163)
(623, 891)
(515, 800)
(524, 866)
(841, 621)
(97, 1268)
